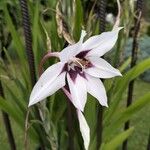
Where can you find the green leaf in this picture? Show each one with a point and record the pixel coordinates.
(125, 65)
(78, 19)
(18, 116)
(16, 37)
(58, 107)
(11, 62)
(121, 85)
(126, 114)
(35, 33)
(117, 140)
(15, 98)
(13, 111)
(91, 106)
(19, 48)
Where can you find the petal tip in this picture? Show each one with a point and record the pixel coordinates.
(105, 105)
(118, 29)
(30, 103)
(121, 28)
(119, 73)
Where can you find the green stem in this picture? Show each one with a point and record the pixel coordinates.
(133, 62)
(102, 26)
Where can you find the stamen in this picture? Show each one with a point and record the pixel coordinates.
(80, 64)
(77, 62)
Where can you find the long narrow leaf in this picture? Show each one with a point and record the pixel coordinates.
(16, 38)
(121, 86)
(78, 20)
(116, 141)
(126, 114)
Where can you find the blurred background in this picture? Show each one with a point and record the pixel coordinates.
(50, 25)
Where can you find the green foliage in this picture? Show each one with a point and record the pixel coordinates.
(114, 143)
(78, 19)
(16, 38)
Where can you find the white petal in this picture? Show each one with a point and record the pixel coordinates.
(69, 52)
(78, 91)
(84, 128)
(72, 50)
(49, 82)
(96, 88)
(101, 68)
(100, 44)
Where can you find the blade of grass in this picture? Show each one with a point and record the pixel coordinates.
(78, 19)
(7, 124)
(35, 32)
(133, 61)
(17, 41)
(121, 85)
(126, 114)
(117, 140)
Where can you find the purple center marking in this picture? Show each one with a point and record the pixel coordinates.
(82, 54)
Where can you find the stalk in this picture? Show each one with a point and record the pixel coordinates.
(7, 124)
(133, 61)
(70, 125)
(102, 24)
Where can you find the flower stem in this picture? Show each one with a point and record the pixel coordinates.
(70, 125)
(69, 119)
(44, 59)
(7, 124)
(99, 126)
(133, 61)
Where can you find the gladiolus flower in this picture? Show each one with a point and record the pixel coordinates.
(79, 69)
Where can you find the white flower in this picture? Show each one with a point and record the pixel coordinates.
(79, 69)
